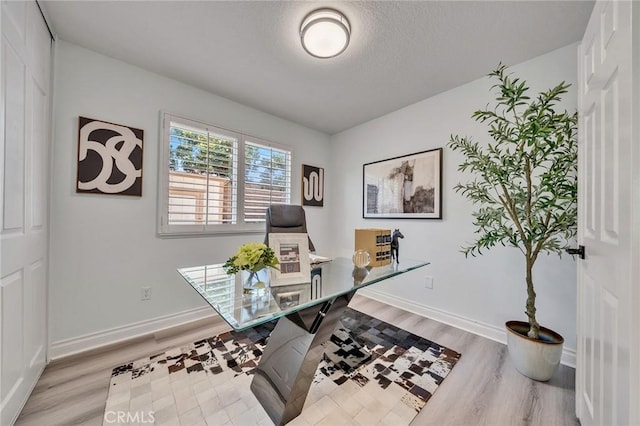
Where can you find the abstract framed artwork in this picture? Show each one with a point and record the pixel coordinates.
(405, 187)
(292, 251)
(109, 158)
(312, 186)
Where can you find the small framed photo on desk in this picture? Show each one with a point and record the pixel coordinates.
(292, 251)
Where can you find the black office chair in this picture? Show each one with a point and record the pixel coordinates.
(286, 218)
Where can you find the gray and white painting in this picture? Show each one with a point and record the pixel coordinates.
(404, 187)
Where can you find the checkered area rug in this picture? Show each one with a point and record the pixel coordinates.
(371, 373)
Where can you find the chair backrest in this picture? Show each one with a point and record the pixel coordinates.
(286, 218)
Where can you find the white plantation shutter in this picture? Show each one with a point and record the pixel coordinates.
(267, 179)
(202, 181)
(215, 180)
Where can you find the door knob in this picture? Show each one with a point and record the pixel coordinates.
(579, 251)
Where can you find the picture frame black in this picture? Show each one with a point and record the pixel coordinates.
(109, 158)
(312, 186)
(404, 187)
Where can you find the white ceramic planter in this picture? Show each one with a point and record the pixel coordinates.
(536, 359)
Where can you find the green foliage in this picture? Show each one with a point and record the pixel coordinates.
(202, 153)
(265, 166)
(196, 152)
(525, 179)
(251, 257)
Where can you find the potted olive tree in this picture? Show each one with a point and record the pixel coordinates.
(525, 189)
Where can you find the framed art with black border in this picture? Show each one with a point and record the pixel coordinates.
(109, 158)
(312, 186)
(405, 187)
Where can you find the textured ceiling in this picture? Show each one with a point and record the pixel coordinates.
(250, 52)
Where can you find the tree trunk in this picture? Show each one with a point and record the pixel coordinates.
(534, 327)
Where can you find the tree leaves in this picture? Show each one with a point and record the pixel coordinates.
(525, 181)
(529, 169)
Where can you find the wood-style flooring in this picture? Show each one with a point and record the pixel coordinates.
(483, 389)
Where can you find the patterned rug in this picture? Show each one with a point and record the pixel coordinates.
(384, 375)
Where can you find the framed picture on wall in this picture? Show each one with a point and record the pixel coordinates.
(292, 251)
(405, 187)
(312, 186)
(109, 158)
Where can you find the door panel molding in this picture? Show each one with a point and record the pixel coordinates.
(606, 334)
(25, 105)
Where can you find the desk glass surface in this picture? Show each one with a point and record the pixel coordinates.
(327, 281)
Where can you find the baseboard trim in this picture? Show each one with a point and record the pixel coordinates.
(472, 326)
(95, 340)
(74, 345)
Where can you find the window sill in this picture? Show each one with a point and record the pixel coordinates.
(206, 234)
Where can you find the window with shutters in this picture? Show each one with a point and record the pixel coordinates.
(214, 180)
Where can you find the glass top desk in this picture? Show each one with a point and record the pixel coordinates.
(307, 316)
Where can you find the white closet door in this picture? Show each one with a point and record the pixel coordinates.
(606, 375)
(24, 175)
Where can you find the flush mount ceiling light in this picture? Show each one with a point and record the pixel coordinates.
(325, 33)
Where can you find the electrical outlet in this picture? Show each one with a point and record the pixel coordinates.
(145, 293)
(428, 282)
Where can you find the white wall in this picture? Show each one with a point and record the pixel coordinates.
(490, 289)
(105, 248)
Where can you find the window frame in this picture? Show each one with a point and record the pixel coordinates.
(164, 229)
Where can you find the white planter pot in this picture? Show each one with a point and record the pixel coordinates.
(536, 359)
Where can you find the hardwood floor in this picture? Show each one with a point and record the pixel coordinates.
(483, 389)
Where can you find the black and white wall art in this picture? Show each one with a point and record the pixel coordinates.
(312, 186)
(405, 187)
(109, 158)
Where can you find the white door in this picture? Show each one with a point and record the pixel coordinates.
(607, 339)
(24, 175)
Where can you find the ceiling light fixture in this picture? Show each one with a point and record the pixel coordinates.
(325, 33)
